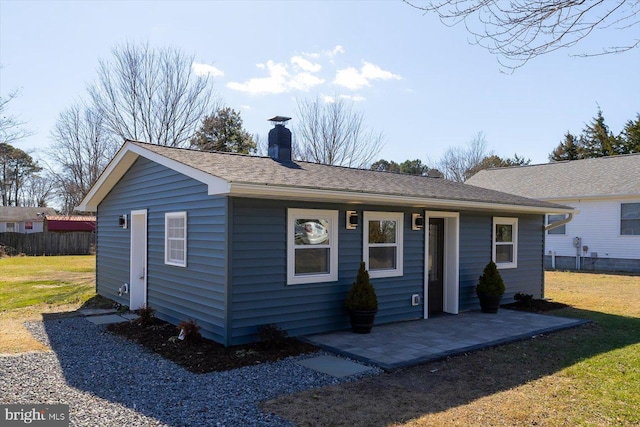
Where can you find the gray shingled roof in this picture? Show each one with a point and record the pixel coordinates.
(10, 213)
(236, 168)
(604, 176)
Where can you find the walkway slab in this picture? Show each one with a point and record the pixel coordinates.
(96, 311)
(334, 366)
(106, 319)
(410, 343)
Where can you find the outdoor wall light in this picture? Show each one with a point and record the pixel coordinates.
(417, 221)
(351, 220)
(122, 221)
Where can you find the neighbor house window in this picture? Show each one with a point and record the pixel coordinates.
(505, 242)
(630, 219)
(28, 225)
(558, 230)
(11, 227)
(382, 246)
(312, 246)
(175, 238)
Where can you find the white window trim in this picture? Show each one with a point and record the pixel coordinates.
(624, 236)
(505, 221)
(332, 217)
(167, 216)
(384, 216)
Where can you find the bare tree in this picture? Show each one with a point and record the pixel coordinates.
(459, 163)
(334, 134)
(151, 95)
(11, 127)
(81, 150)
(519, 30)
(37, 190)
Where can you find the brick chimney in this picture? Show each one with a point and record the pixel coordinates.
(280, 140)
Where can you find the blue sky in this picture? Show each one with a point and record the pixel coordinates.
(417, 81)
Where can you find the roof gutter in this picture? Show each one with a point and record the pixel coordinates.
(558, 223)
(308, 194)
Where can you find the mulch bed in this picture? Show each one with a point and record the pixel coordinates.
(535, 306)
(205, 355)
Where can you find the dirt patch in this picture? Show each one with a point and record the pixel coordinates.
(205, 355)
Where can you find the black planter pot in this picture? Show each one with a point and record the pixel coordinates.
(362, 320)
(489, 303)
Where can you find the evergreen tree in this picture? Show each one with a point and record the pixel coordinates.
(569, 149)
(629, 139)
(223, 131)
(596, 138)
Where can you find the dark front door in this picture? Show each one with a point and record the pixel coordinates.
(436, 265)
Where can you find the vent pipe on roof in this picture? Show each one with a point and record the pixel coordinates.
(280, 140)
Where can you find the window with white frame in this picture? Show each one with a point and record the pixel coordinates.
(630, 219)
(383, 242)
(312, 246)
(11, 227)
(558, 230)
(505, 242)
(175, 238)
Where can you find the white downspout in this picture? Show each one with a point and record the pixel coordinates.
(558, 223)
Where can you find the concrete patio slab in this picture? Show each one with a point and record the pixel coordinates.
(96, 311)
(409, 343)
(106, 319)
(334, 366)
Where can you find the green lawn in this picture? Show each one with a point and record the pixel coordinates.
(59, 280)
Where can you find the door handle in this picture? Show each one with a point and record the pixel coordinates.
(142, 277)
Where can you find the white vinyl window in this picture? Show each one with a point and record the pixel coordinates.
(505, 242)
(11, 227)
(175, 239)
(383, 242)
(630, 219)
(312, 246)
(558, 230)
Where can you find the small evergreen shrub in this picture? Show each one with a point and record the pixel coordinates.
(362, 295)
(491, 282)
(272, 336)
(189, 331)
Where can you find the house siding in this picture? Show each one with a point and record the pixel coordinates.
(260, 294)
(196, 291)
(475, 253)
(598, 224)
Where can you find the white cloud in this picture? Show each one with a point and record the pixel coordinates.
(351, 79)
(354, 98)
(206, 70)
(278, 81)
(355, 79)
(336, 50)
(305, 64)
(328, 99)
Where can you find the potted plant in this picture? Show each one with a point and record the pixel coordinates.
(362, 302)
(490, 289)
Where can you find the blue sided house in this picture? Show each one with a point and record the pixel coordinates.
(235, 241)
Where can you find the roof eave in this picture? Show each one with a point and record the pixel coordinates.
(310, 194)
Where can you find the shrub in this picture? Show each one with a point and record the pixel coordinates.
(189, 331)
(362, 295)
(147, 314)
(491, 282)
(524, 300)
(272, 336)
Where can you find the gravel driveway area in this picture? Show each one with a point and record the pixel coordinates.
(109, 381)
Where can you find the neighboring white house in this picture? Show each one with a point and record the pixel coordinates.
(605, 234)
(23, 220)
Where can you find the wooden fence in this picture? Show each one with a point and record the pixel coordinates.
(74, 243)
